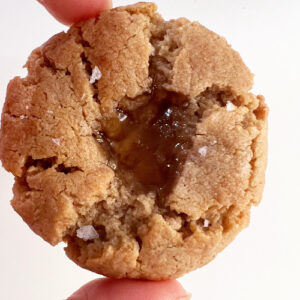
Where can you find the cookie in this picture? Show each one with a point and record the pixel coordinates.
(135, 141)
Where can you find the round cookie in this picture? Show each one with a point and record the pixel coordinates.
(136, 141)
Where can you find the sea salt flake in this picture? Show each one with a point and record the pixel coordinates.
(96, 75)
(203, 150)
(168, 112)
(122, 116)
(23, 117)
(27, 107)
(49, 111)
(230, 106)
(206, 223)
(87, 233)
(56, 141)
(112, 165)
(213, 142)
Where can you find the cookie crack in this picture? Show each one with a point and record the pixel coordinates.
(86, 62)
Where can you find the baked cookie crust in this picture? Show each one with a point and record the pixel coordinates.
(137, 142)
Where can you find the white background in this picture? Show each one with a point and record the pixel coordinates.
(263, 262)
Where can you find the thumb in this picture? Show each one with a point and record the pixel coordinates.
(125, 289)
(69, 12)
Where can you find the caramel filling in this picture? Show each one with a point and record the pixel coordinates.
(152, 140)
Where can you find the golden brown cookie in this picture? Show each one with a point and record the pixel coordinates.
(136, 141)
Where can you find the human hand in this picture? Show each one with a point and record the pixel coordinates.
(125, 289)
(69, 12)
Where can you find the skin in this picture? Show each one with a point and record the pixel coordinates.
(125, 289)
(69, 12)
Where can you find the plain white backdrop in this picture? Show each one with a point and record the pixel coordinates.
(264, 260)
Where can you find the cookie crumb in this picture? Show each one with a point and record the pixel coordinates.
(56, 141)
(203, 150)
(206, 223)
(96, 75)
(87, 232)
(230, 106)
(26, 107)
(213, 142)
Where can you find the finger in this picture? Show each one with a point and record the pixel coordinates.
(124, 289)
(69, 12)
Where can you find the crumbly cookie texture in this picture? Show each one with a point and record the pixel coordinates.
(136, 141)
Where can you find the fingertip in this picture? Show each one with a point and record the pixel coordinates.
(112, 289)
(70, 12)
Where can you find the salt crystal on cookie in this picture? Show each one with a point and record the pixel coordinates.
(87, 233)
(203, 151)
(56, 141)
(206, 223)
(230, 106)
(96, 75)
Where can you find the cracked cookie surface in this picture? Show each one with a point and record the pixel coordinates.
(136, 141)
